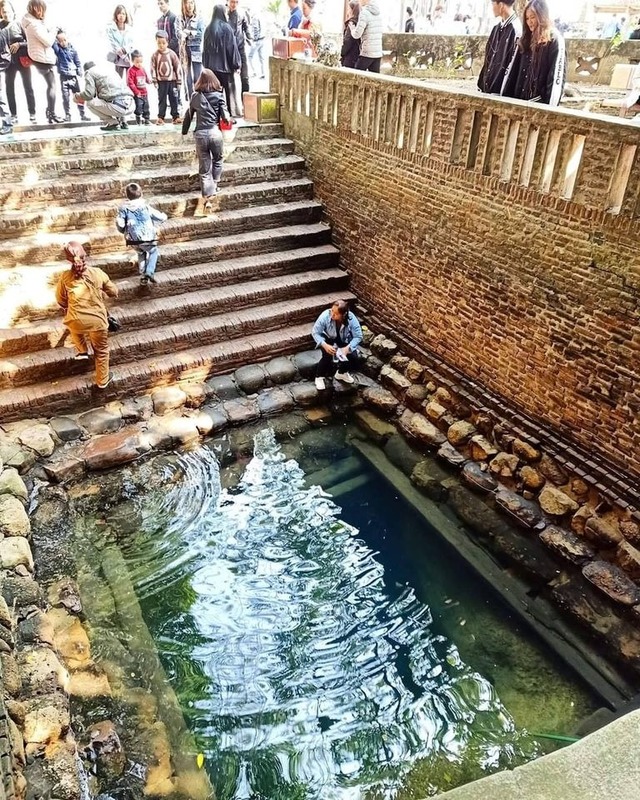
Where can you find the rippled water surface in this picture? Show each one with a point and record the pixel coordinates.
(305, 669)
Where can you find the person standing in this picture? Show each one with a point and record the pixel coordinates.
(40, 39)
(209, 107)
(166, 75)
(410, 23)
(538, 69)
(120, 36)
(256, 51)
(106, 96)
(369, 31)
(295, 15)
(80, 293)
(240, 26)
(501, 46)
(6, 125)
(338, 334)
(170, 24)
(220, 51)
(192, 30)
(69, 69)
(350, 47)
(20, 63)
(308, 26)
(137, 81)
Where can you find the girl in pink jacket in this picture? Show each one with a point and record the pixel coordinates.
(40, 39)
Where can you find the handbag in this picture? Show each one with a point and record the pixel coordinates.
(224, 125)
(113, 325)
(25, 61)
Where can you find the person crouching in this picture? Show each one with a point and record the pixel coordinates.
(80, 293)
(338, 334)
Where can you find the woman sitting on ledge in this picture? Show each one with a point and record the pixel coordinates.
(539, 67)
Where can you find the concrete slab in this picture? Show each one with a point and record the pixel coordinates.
(603, 766)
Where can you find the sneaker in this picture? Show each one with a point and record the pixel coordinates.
(345, 377)
(123, 125)
(5, 130)
(67, 117)
(14, 120)
(144, 280)
(320, 384)
(104, 385)
(33, 119)
(159, 121)
(151, 278)
(81, 357)
(113, 127)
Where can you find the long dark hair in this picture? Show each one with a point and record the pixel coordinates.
(184, 9)
(36, 5)
(207, 82)
(212, 37)
(354, 8)
(543, 34)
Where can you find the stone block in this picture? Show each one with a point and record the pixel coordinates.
(39, 439)
(628, 557)
(482, 449)
(504, 465)
(448, 453)
(137, 409)
(66, 429)
(372, 366)
(167, 398)
(532, 479)
(567, 545)
(380, 400)
(604, 533)
(15, 455)
(15, 550)
(394, 380)
(223, 387)
(383, 347)
(274, 401)
(307, 363)
(525, 512)
(631, 531)
(304, 394)
(41, 671)
(281, 370)
(65, 466)
(429, 484)
(477, 478)
(399, 362)
(555, 502)
(460, 432)
(414, 371)
(415, 396)
(375, 428)
(240, 412)
(99, 420)
(525, 451)
(13, 517)
(47, 720)
(11, 483)
(197, 394)
(250, 378)
(401, 454)
(36, 629)
(425, 432)
(217, 420)
(552, 471)
(613, 582)
(21, 591)
(113, 449)
(175, 428)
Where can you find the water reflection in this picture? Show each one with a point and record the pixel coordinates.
(302, 673)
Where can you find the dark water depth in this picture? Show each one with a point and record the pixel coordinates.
(306, 668)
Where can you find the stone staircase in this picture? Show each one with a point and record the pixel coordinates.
(239, 286)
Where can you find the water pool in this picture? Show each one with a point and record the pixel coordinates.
(326, 644)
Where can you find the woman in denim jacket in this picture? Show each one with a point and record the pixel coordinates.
(191, 31)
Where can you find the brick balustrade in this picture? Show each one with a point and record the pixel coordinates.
(500, 236)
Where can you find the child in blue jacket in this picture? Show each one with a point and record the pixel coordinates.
(69, 69)
(136, 220)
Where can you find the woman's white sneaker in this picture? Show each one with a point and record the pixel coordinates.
(320, 384)
(346, 377)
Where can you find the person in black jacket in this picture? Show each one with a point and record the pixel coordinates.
(5, 60)
(501, 46)
(410, 23)
(18, 47)
(209, 107)
(539, 67)
(350, 46)
(239, 22)
(170, 24)
(220, 50)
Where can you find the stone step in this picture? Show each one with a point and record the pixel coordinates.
(79, 216)
(287, 335)
(172, 281)
(47, 246)
(124, 161)
(72, 190)
(26, 290)
(159, 326)
(53, 142)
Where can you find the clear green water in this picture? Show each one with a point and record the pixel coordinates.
(331, 649)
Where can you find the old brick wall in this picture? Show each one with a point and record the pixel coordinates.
(531, 290)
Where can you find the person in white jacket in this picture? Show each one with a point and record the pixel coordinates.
(40, 38)
(369, 31)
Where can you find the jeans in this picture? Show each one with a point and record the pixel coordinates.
(368, 64)
(257, 51)
(209, 150)
(48, 73)
(111, 111)
(192, 72)
(25, 74)
(147, 257)
(142, 106)
(167, 90)
(327, 366)
(244, 70)
(69, 85)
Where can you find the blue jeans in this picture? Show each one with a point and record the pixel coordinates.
(209, 149)
(147, 258)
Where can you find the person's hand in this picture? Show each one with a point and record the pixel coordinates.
(13, 48)
(329, 348)
(345, 351)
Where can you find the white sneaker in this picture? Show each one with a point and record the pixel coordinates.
(320, 384)
(347, 377)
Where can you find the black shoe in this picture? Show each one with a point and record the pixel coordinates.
(113, 127)
(53, 119)
(151, 278)
(123, 125)
(137, 122)
(144, 280)
(146, 121)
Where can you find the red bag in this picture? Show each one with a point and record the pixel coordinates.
(225, 126)
(25, 61)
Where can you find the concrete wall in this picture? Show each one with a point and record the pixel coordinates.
(588, 60)
(498, 236)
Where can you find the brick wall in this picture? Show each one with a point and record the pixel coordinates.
(498, 236)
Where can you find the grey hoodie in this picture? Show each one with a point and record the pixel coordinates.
(369, 30)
